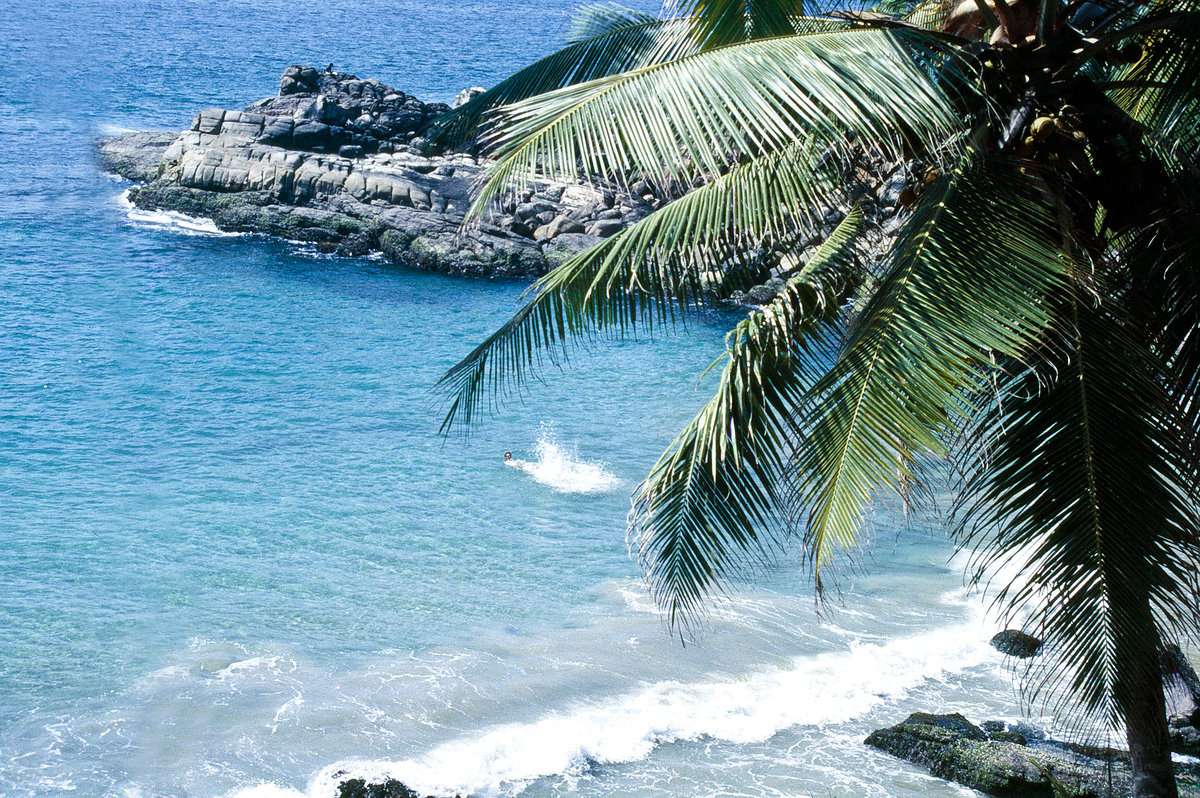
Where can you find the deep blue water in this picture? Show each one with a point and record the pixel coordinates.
(237, 555)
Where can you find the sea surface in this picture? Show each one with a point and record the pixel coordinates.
(238, 560)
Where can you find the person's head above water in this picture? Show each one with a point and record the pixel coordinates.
(507, 456)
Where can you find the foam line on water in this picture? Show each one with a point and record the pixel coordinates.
(560, 467)
(172, 220)
(828, 688)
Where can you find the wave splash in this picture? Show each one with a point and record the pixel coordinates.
(560, 468)
(827, 688)
(172, 220)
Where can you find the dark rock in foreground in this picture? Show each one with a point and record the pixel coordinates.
(338, 161)
(999, 761)
(953, 748)
(1016, 644)
(360, 788)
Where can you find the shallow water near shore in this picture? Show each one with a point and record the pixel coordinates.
(241, 561)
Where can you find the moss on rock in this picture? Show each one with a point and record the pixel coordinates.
(953, 748)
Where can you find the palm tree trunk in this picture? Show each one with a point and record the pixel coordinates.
(1147, 734)
(1150, 744)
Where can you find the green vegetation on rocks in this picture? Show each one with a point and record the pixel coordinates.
(998, 762)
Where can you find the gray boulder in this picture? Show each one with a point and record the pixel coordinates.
(567, 246)
(762, 294)
(299, 80)
(556, 227)
(1182, 688)
(603, 228)
(136, 156)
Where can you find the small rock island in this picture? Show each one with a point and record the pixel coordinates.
(344, 163)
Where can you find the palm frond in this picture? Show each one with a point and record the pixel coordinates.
(677, 122)
(1070, 482)
(930, 14)
(597, 20)
(604, 40)
(966, 280)
(1162, 262)
(669, 263)
(892, 8)
(711, 504)
(716, 23)
(1161, 90)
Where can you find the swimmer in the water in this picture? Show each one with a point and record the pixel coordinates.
(507, 456)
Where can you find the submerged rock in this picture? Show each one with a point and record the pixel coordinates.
(337, 160)
(1015, 643)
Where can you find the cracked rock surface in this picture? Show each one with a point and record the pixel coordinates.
(338, 161)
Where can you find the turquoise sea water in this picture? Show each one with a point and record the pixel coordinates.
(238, 559)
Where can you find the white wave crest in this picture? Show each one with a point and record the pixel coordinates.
(172, 220)
(560, 468)
(828, 688)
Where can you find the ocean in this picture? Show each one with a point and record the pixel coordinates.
(240, 561)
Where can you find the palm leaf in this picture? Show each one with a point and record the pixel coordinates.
(710, 503)
(966, 279)
(1162, 89)
(604, 40)
(930, 14)
(676, 122)
(716, 23)
(1162, 264)
(663, 265)
(598, 20)
(1077, 493)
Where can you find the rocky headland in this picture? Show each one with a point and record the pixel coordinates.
(342, 163)
(347, 165)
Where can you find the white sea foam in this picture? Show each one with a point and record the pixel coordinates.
(172, 220)
(113, 130)
(268, 665)
(828, 688)
(560, 467)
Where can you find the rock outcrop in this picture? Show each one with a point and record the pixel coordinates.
(1182, 688)
(1016, 643)
(389, 788)
(338, 161)
(1021, 763)
(953, 748)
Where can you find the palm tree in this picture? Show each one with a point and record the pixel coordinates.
(1031, 327)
